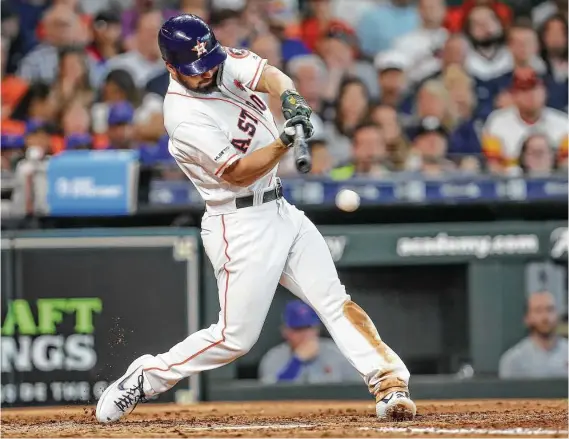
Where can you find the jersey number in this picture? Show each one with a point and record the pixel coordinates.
(248, 124)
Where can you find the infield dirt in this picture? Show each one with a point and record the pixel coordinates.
(476, 418)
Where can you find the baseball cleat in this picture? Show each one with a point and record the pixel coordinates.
(397, 406)
(122, 396)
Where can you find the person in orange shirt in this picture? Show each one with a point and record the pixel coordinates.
(456, 16)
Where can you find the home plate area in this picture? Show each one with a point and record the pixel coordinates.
(472, 418)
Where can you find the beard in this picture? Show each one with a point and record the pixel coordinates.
(543, 332)
(201, 89)
(487, 42)
(557, 52)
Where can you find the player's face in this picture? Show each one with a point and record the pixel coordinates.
(205, 83)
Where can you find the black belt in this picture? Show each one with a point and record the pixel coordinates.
(270, 195)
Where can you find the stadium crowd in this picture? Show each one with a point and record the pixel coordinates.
(396, 85)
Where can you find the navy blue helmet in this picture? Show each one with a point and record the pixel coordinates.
(189, 45)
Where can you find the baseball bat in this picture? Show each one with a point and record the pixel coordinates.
(301, 153)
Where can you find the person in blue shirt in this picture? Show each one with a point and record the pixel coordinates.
(382, 24)
(121, 129)
(304, 357)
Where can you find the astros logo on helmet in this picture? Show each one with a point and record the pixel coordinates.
(188, 44)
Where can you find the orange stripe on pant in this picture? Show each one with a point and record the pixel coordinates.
(224, 312)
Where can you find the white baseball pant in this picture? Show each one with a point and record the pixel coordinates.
(252, 250)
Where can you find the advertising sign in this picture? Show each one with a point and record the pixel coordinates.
(85, 183)
(84, 307)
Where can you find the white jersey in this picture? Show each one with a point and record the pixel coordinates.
(210, 132)
(505, 132)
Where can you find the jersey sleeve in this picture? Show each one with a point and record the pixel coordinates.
(202, 142)
(244, 66)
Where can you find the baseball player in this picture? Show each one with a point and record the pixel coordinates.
(224, 138)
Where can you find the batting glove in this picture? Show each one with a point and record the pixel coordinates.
(294, 105)
(287, 136)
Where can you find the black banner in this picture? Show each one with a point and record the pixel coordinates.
(84, 308)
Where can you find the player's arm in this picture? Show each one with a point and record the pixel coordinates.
(250, 168)
(277, 84)
(274, 82)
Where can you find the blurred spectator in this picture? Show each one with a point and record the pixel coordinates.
(13, 87)
(62, 28)
(319, 22)
(321, 158)
(543, 354)
(196, 7)
(30, 188)
(304, 357)
(11, 149)
(339, 49)
(351, 11)
(397, 144)
(148, 117)
(488, 57)
(429, 149)
(117, 87)
(537, 158)
(226, 25)
(553, 38)
(75, 119)
(352, 109)
(36, 105)
(121, 130)
(547, 9)
(433, 99)
(457, 16)
(385, 22)
(464, 140)
(106, 42)
(392, 80)
(17, 42)
(280, 18)
(310, 76)
(506, 129)
(131, 17)
(144, 61)
(370, 156)
(423, 46)
(524, 48)
(269, 47)
(460, 87)
(79, 142)
(453, 53)
(72, 81)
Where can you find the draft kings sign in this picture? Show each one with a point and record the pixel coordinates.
(49, 351)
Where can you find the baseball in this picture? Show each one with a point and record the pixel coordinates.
(347, 200)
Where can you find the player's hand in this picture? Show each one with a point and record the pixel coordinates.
(287, 136)
(308, 349)
(294, 105)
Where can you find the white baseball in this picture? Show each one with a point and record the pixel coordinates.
(347, 200)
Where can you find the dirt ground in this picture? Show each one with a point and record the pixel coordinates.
(490, 418)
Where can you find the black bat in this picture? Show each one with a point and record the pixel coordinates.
(301, 153)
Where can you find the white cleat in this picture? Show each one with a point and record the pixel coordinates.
(122, 396)
(397, 406)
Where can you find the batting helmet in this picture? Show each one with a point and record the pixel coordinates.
(188, 44)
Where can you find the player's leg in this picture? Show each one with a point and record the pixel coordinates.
(311, 275)
(248, 254)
